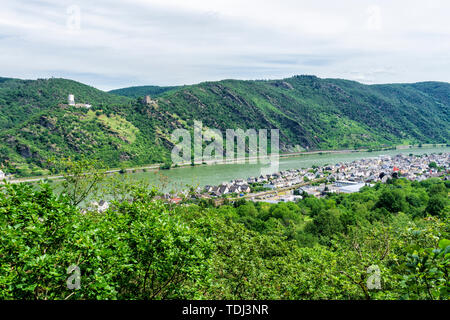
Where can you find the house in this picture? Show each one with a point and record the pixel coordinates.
(351, 188)
(103, 206)
(175, 200)
(234, 189)
(251, 180)
(100, 207)
(262, 178)
(2, 175)
(245, 188)
(223, 189)
(213, 190)
(220, 190)
(209, 188)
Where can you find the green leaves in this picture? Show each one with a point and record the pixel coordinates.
(428, 273)
(444, 244)
(82, 178)
(143, 248)
(140, 250)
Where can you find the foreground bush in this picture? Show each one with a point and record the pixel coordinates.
(357, 246)
(137, 250)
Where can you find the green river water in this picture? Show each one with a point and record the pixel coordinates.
(178, 178)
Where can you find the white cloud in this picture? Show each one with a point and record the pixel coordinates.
(120, 43)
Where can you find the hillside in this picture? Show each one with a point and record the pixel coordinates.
(312, 113)
(320, 113)
(141, 91)
(21, 98)
(36, 124)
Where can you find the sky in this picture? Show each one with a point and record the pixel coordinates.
(111, 44)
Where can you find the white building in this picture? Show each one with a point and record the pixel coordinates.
(100, 207)
(2, 175)
(103, 206)
(71, 100)
(351, 188)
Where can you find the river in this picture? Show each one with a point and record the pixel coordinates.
(178, 178)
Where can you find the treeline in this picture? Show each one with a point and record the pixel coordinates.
(390, 241)
(142, 91)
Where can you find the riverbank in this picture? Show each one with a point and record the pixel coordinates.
(243, 161)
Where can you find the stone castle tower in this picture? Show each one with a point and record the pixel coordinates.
(71, 100)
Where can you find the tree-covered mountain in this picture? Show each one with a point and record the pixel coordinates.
(312, 113)
(36, 124)
(20, 99)
(321, 113)
(141, 91)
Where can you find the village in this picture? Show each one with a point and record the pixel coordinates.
(318, 181)
(289, 185)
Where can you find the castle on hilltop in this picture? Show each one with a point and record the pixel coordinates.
(71, 102)
(148, 100)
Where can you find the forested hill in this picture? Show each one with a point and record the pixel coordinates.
(321, 113)
(318, 113)
(140, 91)
(20, 99)
(312, 113)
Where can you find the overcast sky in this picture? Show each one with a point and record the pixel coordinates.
(111, 44)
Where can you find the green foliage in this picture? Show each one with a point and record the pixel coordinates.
(436, 205)
(325, 225)
(141, 91)
(81, 178)
(392, 200)
(428, 273)
(145, 248)
(166, 165)
(139, 250)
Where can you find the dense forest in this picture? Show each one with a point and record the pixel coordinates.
(36, 123)
(141, 91)
(145, 248)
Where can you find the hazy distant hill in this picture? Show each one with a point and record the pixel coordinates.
(313, 113)
(141, 91)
